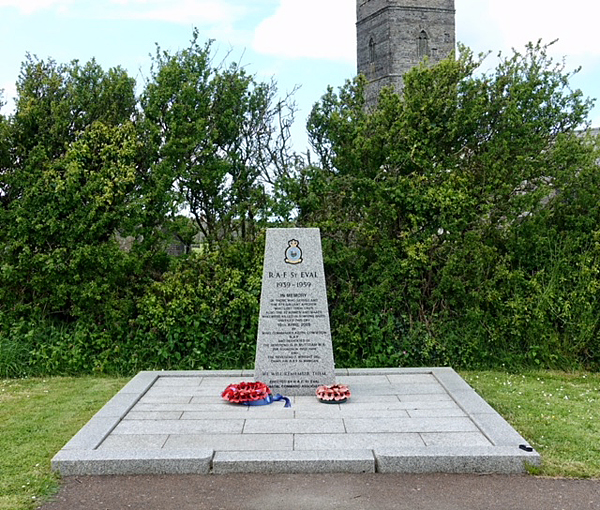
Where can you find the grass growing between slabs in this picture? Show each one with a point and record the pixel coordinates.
(557, 412)
(37, 418)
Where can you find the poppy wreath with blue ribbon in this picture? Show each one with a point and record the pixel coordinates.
(252, 394)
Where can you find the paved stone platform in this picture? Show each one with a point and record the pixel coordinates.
(397, 421)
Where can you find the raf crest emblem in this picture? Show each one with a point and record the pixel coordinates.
(293, 253)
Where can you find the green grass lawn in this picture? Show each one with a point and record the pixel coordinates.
(557, 412)
(37, 418)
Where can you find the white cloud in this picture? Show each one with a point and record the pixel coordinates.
(31, 6)
(513, 23)
(476, 27)
(323, 29)
(574, 26)
(204, 12)
(326, 28)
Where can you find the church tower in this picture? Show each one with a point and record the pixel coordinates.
(395, 35)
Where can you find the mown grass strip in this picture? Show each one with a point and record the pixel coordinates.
(37, 418)
(557, 412)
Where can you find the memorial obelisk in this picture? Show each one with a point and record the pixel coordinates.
(294, 353)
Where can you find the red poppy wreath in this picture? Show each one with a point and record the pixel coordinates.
(252, 394)
(333, 394)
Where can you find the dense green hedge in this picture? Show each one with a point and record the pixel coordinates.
(487, 311)
(460, 221)
(201, 314)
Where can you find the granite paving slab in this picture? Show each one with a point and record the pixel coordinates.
(403, 420)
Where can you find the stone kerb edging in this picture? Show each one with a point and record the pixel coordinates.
(81, 456)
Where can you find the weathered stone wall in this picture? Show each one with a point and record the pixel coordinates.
(395, 35)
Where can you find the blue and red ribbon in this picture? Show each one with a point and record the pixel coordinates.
(269, 399)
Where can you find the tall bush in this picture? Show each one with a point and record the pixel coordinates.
(460, 216)
(460, 220)
(203, 314)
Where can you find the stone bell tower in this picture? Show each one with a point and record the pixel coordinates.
(395, 35)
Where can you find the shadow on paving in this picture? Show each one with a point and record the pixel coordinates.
(324, 492)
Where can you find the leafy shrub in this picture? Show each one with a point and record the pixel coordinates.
(459, 220)
(203, 314)
(14, 349)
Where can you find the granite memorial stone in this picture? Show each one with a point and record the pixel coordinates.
(294, 353)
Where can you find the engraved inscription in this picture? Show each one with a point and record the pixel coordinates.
(294, 352)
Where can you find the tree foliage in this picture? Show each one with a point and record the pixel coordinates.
(223, 136)
(70, 184)
(92, 178)
(460, 220)
(446, 204)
